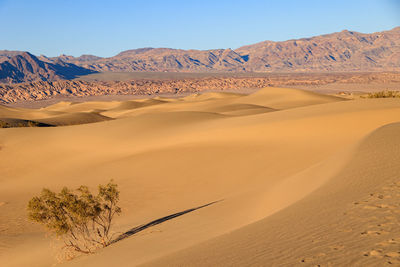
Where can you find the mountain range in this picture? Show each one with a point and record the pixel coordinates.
(25, 67)
(341, 51)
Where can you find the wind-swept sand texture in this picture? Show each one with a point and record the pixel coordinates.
(280, 177)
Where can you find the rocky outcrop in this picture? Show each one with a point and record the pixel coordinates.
(10, 93)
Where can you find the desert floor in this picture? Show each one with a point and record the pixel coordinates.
(292, 178)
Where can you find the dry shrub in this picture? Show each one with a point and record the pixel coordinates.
(82, 220)
(383, 94)
(4, 124)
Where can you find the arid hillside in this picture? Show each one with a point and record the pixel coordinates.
(346, 50)
(25, 67)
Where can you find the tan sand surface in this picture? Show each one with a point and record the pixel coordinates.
(292, 178)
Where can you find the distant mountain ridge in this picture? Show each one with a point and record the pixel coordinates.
(341, 51)
(25, 67)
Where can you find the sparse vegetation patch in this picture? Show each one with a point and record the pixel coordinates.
(383, 94)
(22, 123)
(82, 220)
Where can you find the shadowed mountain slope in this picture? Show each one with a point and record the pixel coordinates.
(26, 67)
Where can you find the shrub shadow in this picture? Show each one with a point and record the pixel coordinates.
(158, 221)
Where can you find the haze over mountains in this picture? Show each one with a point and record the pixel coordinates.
(342, 51)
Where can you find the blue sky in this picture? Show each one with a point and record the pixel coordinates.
(105, 28)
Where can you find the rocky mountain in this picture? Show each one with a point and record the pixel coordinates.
(25, 67)
(166, 59)
(342, 51)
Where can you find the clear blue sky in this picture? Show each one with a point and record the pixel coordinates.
(105, 28)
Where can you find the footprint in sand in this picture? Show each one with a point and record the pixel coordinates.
(380, 232)
(379, 196)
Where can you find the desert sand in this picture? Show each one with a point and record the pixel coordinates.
(291, 178)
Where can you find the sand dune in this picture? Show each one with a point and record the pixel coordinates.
(347, 221)
(74, 118)
(282, 168)
(284, 98)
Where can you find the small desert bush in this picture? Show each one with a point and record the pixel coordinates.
(4, 124)
(82, 220)
(383, 94)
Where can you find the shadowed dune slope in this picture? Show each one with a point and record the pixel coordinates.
(283, 176)
(73, 119)
(51, 118)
